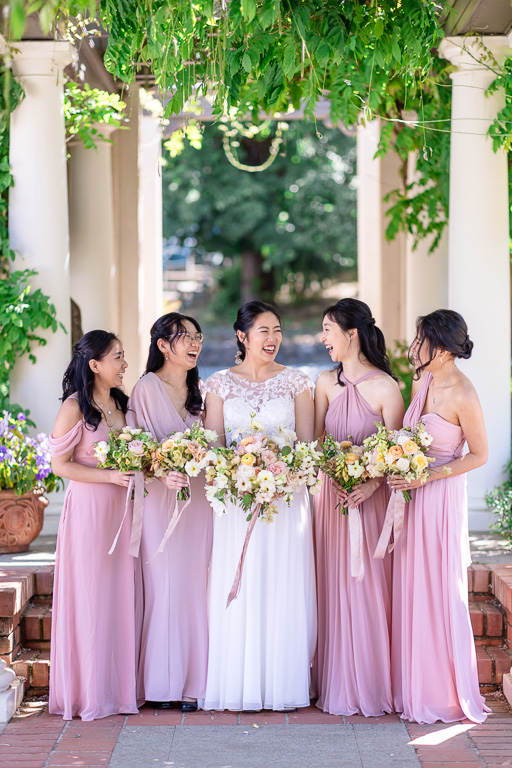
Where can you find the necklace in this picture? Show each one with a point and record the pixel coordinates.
(442, 385)
(102, 407)
(167, 381)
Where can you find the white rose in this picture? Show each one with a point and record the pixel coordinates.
(210, 435)
(244, 471)
(220, 481)
(402, 439)
(403, 464)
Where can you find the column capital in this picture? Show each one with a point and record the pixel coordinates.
(38, 57)
(468, 54)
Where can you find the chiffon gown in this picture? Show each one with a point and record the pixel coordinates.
(351, 670)
(93, 644)
(261, 647)
(433, 653)
(173, 613)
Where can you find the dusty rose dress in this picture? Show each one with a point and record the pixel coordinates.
(351, 670)
(92, 672)
(433, 652)
(174, 631)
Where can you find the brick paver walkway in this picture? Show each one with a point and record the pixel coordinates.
(307, 738)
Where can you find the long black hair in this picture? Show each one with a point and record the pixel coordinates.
(169, 327)
(79, 379)
(442, 329)
(352, 313)
(247, 316)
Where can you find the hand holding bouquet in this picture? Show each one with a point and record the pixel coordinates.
(401, 451)
(127, 450)
(185, 452)
(343, 462)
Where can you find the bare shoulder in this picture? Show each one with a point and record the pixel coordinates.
(68, 416)
(325, 380)
(384, 385)
(464, 392)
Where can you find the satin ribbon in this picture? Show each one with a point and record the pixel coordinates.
(136, 485)
(237, 583)
(173, 522)
(393, 522)
(355, 531)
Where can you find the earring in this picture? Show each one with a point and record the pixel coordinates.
(167, 357)
(238, 358)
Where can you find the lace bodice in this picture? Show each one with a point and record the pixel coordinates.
(273, 400)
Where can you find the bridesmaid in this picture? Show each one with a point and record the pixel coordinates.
(433, 654)
(174, 643)
(352, 664)
(93, 627)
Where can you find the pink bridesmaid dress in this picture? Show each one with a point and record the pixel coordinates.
(174, 626)
(93, 645)
(352, 664)
(433, 652)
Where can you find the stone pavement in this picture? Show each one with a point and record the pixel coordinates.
(303, 739)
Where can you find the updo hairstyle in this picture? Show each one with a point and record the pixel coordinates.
(245, 319)
(442, 329)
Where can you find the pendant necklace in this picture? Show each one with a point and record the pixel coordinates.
(442, 385)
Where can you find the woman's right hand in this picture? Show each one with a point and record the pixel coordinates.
(175, 481)
(340, 492)
(117, 477)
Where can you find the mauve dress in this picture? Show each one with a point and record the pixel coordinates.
(174, 629)
(93, 645)
(434, 668)
(351, 670)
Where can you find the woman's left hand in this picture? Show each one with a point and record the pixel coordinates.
(399, 483)
(362, 492)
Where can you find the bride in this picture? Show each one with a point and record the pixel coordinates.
(261, 646)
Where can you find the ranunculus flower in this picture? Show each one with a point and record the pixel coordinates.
(248, 459)
(125, 436)
(136, 447)
(410, 448)
(247, 440)
(350, 458)
(395, 452)
(345, 444)
(167, 446)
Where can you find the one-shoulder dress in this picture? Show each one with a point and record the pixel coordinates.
(351, 670)
(93, 644)
(433, 652)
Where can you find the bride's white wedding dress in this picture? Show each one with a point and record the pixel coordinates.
(261, 647)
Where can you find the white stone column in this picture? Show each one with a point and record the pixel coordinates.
(38, 215)
(479, 252)
(93, 263)
(381, 264)
(150, 228)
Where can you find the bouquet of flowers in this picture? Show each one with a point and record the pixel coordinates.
(260, 470)
(185, 452)
(129, 449)
(25, 462)
(401, 451)
(343, 462)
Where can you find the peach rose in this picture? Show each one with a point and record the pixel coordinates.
(395, 452)
(167, 445)
(345, 444)
(351, 458)
(247, 440)
(125, 436)
(420, 462)
(248, 459)
(410, 448)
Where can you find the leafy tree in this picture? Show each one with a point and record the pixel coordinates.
(294, 222)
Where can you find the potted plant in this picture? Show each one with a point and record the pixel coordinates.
(25, 476)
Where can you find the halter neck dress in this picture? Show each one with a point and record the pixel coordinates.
(351, 669)
(434, 668)
(93, 644)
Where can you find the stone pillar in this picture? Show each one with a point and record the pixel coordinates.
(150, 228)
(426, 274)
(381, 264)
(38, 215)
(93, 263)
(479, 250)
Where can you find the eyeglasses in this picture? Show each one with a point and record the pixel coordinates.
(197, 337)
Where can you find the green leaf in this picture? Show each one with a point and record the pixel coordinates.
(378, 28)
(248, 8)
(246, 62)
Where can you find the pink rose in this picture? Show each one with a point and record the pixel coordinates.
(278, 468)
(136, 447)
(269, 457)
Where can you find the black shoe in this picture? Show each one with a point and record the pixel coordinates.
(159, 704)
(188, 706)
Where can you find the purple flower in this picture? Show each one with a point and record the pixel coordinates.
(21, 416)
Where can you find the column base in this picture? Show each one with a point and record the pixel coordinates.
(11, 699)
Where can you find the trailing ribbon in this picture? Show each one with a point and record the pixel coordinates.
(237, 583)
(136, 485)
(173, 522)
(393, 522)
(355, 530)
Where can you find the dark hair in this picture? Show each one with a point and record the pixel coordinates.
(247, 316)
(442, 329)
(169, 327)
(352, 313)
(79, 379)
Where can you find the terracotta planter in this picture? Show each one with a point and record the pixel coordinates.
(21, 519)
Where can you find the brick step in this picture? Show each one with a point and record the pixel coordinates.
(36, 627)
(488, 621)
(34, 667)
(493, 662)
(19, 588)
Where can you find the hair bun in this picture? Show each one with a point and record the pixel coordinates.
(467, 349)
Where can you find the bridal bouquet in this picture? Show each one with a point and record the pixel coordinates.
(260, 470)
(186, 452)
(129, 449)
(343, 462)
(401, 451)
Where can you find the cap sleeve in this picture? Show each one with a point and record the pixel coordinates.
(59, 446)
(300, 383)
(216, 384)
